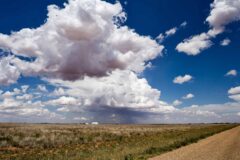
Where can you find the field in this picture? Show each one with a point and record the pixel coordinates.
(97, 142)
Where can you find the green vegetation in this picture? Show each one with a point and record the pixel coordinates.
(97, 142)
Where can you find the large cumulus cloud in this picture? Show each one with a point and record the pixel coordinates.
(120, 89)
(83, 38)
(91, 59)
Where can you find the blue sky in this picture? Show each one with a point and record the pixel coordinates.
(207, 67)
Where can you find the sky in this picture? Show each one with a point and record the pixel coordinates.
(81, 61)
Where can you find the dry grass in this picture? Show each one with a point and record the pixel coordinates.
(100, 142)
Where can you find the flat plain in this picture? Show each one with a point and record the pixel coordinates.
(98, 142)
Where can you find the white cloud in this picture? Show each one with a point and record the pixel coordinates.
(208, 113)
(59, 92)
(64, 101)
(222, 13)
(15, 109)
(235, 97)
(234, 90)
(20, 107)
(83, 38)
(24, 97)
(184, 24)
(188, 96)
(24, 88)
(177, 102)
(8, 73)
(171, 31)
(238, 113)
(234, 93)
(225, 42)
(162, 36)
(232, 72)
(42, 88)
(182, 79)
(121, 89)
(194, 45)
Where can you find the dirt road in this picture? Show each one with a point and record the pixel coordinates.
(223, 146)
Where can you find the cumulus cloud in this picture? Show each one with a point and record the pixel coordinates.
(222, 13)
(24, 88)
(83, 38)
(188, 96)
(42, 88)
(8, 73)
(182, 79)
(58, 92)
(235, 97)
(68, 101)
(234, 90)
(73, 108)
(232, 72)
(234, 93)
(24, 97)
(194, 45)
(209, 113)
(19, 106)
(177, 102)
(121, 89)
(225, 42)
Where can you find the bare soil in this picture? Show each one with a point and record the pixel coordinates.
(222, 146)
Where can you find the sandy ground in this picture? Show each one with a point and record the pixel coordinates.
(223, 146)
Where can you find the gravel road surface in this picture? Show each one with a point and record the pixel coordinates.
(222, 146)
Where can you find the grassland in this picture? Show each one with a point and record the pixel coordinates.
(97, 142)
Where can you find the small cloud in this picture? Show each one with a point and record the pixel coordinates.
(232, 72)
(225, 42)
(65, 101)
(160, 38)
(195, 44)
(234, 93)
(177, 102)
(24, 97)
(188, 96)
(182, 79)
(184, 24)
(24, 88)
(42, 88)
(171, 32)
(58, 92)
(234, 90)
